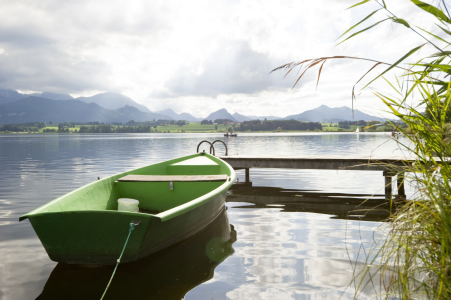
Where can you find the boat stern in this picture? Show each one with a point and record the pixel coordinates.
(91, 237)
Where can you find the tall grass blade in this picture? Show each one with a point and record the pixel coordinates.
(363, 30)
(436, 36)
(319, 73)
(397, 63)
(400, 21)
(438, 54)
(432, 10)
(311, 65)
(445, 30)
(360, 3)
(357, 24)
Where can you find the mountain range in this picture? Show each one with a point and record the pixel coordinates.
(109, 107)
(33, 109)
(175, 116)
(324, 113)
(113, 101)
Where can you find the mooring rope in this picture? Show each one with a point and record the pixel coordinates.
(132, 226)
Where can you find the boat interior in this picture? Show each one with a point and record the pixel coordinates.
(157, 187)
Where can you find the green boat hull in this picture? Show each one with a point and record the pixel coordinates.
(84, 226)
(167, 274)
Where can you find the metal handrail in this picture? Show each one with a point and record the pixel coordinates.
(221, 142)
(211, 147)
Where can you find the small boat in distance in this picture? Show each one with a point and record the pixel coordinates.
(230, 134)
(357, 130)
(177, 198)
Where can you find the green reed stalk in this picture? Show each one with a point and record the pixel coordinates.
(413, 259)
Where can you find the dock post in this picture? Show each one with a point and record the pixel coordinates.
(400, 183)
(247, 182)
(388, 184)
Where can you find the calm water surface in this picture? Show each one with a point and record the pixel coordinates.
(291, 236)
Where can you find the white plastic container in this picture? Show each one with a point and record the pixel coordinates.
(126, 204)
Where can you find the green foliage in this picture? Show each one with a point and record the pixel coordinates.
(222, 121)
(435, 11)
(415, 256)
(400, 21)
(257, 125)
(196, 127)
(23, 127)
(115, 129)
(61, 128)
(431, 113)
(348, 124)
(413, 260)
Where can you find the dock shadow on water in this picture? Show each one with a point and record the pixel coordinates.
(167, 274)
(362, 207)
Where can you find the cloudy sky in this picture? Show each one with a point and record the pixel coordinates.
(198, 56)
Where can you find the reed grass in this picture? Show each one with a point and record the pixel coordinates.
(412, 259)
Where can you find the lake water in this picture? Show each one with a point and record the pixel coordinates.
(293, 235)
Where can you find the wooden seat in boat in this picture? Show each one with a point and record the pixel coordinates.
(173, 178)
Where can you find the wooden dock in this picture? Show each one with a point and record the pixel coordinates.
(391, 166)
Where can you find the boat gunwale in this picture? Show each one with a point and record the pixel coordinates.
(163, 216)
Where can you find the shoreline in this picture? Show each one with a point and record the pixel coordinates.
(244, 132)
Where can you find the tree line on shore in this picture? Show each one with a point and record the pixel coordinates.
(24, 127)
(116, 129)
(151, 126)
(257, 125)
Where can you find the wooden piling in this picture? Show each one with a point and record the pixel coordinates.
(400, 183)
(388, 184)
(247, 175)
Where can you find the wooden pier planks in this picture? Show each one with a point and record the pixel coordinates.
(319, 162)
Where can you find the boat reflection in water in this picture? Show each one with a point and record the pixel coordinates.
(360, 207)
(168, 274)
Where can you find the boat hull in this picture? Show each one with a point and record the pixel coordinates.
(98, 236)
(167, 274)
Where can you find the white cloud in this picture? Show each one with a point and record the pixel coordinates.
(196, 56)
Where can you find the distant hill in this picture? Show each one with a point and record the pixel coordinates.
(107, 100)
(113, 101)
(264, 117)
(183, 116)
(52, 96)
(36, 109)
(325, 113)
(242, 118)
(7, 96)
(220, 114)
(188, 117)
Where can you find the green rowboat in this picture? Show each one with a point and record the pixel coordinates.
(168, 274)
(177, 198)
